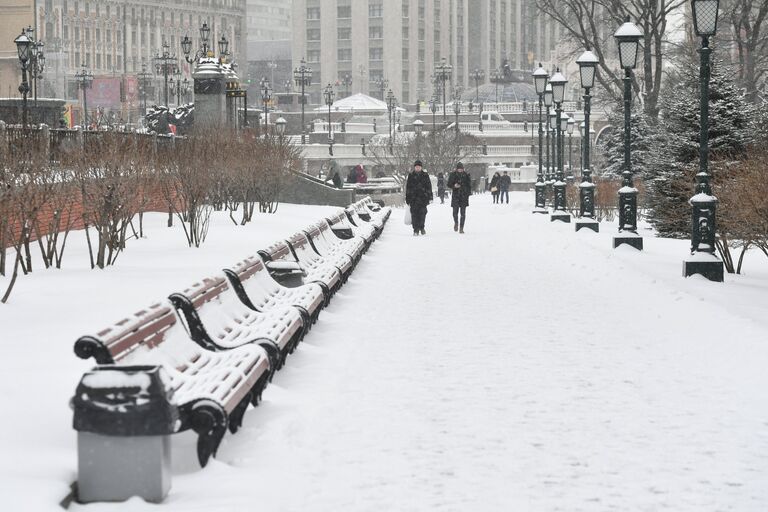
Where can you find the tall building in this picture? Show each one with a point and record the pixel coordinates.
(14, 15)
(402, 40)
(269, 46)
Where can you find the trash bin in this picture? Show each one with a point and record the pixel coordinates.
(124, 418)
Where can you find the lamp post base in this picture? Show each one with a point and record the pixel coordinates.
(588, 224)
(708, 265)
(560, 216)
(630, 239)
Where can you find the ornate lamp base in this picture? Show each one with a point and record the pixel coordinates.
(588, 224)
(708, 265)
(630, 239)
(561, 216)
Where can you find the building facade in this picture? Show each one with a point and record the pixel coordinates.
(402, 40)
(270, 31)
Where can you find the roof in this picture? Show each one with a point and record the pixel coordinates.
(356, 103)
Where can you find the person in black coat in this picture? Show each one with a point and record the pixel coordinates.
(494, 187)
(337, 180)
(441, 187)
(504, 183)
(461, 188)
(418, 194)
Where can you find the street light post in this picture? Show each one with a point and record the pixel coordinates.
(569, 129)
(548, 126)
(145, 78)
(84, 79)
(628, 38)
(433, 109)
(390, 108)
(382, 84)
(704, 205)
(558, 83)
(266, 96)
(477, 75)
(165, 63)
(540, 79)
(496, 77)
(302, 75)
(346, 81)
(329, 94)
(443, 74)
(36, 65)
(23, 46)
(587, 62)
(457, 108)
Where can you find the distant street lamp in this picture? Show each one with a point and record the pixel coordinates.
(280, 126)
(548, 104)
(166, 64)
(84, 80)
(144, 79)
(497, 77)
(418, 128)
(558, 83)
(382, 84)
(205, 49)
(704, 205)
(36, 65)
(569, 129)
(391, 103)
(433, 109)
(457, 107)
(23, 46)
(329, 94)
(443, 74)
(302, 75)
(587, 62)
(346, 81)
(266, 96)
(540, 79)
(628, 38)
(477, 75)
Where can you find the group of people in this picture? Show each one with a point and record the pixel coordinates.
(500, 187)
(418, 194)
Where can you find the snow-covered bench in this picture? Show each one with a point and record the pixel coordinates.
(362, 218)
(332, 248)
(312, 262)
(211, 390)
(281, 260)
(217, 317)
(258, 290)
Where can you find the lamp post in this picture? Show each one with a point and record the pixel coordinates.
(704, 205)
(628, 38)
(548, 104)
(540, 79)
(587, 62)
(346, 81)
(266, 96)
(144, 79)
(391, 102)
(203, 51)
(382, 84)
(477, 75)
(457, 108)
(36, 65)
(418, 127)
(497, 77)
(433, 109)
(329, 94)
(569, 129)
(558, 83)
(443, 74)
(287, 84)
(165, 63)
(23, 46)
(84, 80)
(302, 76)
(176, 84)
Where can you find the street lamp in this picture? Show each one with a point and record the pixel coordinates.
(498, 77)
(266, 96)
(302, 75)
(569, 129)
(145, 79)
(548, 102)
(176, 84)
(382, 84)
(84, 80)
(443, 74)
(23, 46)
(36, 65)
(166, 64)
(540, 80)
(433, 109)
(346, 81)
(704, 205)
(418, 128)
(329, 94)
(223, 47)
(628, 38)
(457, 107)
(587, 62)
(203, 51)
(558, 83)
(477, 75)
(391, 103)
(280, 126)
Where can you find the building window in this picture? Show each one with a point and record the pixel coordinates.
(313, 34)
(313, 13)
(405, 54)
(375, 10)
(405, 75)
(375, 32)
(344, 54)
(344, 11)
(344, 33)
(376, 53)
(406, 8)
(313, 55)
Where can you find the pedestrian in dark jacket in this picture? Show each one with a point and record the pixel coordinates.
(504, 183)
(494, 186)
(418, 194)
(441, 187)
(337, 180)
(461, 188)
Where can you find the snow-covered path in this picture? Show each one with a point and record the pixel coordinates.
(518, 367)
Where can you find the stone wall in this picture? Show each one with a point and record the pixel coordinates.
(304, 189)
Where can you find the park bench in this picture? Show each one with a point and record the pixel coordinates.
(210, 389)
(258, 290)
(283, 264)
(345, 254)
(363, 220)
(310, 259)
(347, 218)
(215, 316)
(340, 231)
(377, 208)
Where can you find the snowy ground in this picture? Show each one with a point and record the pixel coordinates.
(521, 366)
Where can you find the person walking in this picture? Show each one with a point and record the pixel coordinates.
(461, 188)
(418, 194)
(504, 183)
(441, 187)
(495, 187)
(337, 180)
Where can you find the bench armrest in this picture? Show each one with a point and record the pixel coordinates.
(285, 267)
(343, 233)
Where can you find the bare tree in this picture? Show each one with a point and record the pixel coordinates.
(590, 24)
(750, 37)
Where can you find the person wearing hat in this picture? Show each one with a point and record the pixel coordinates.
(461, 188)
(418, 194)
